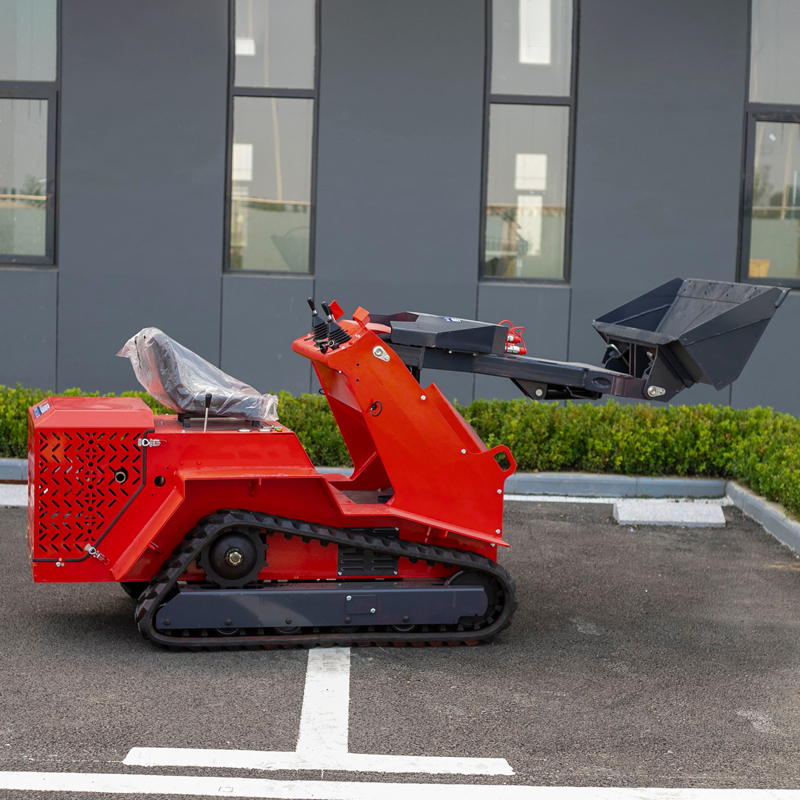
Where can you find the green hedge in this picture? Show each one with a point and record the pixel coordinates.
(756, 446)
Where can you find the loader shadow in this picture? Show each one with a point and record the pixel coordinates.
(105, 626)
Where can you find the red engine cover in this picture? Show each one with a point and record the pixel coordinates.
(74, 494)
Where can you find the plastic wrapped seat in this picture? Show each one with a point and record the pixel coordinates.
(180, 379)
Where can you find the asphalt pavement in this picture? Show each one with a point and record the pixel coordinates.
(639, 657)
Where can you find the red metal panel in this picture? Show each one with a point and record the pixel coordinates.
(441, 472)
(447, 487)
(76, 453)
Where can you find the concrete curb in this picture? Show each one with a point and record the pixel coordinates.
(581, 484)
(584, 484)
(771, 516)
(13, 469)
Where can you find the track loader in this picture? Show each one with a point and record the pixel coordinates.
(217, 522)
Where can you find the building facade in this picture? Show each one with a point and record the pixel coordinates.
(203, 166)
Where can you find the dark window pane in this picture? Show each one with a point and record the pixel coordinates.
(775, 226)
(23, 177)
(271, 183)
(527, 191)
(775, 59)
(275, 44)
(27, 40)
(532, 47)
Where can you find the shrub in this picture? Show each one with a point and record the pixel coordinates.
(756, 446)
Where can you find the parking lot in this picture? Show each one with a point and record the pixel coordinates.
(639, 657)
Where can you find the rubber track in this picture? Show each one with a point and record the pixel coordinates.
(161, 586)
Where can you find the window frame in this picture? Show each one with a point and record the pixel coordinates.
(241, 91)
(49, 91)
(754, 113)
(490, 99)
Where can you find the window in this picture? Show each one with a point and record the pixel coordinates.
(28, 99)
(272, 135)
(771, 222)
(528, 157)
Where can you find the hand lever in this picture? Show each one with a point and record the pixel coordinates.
(336, 334)
(208, 405)
(319, 328)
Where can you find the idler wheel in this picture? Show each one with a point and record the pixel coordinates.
(494, 595)
(234, 558)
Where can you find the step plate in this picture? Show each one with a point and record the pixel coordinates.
(321, 604)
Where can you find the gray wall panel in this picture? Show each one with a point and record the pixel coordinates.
(399, 169)
(399, 160)
(661, 90)
(261, 316)
(142, 180)
(543, 310)
(772, 375)
(28, 327)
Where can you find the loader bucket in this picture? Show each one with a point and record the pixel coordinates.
(704, 330)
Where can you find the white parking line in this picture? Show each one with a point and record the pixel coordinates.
(13, 495)
(16, 495)
(323, 740)
(559, 498)
(335, 790)
(324, 722)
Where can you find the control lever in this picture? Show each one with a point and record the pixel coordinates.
(336, 334)
(208, 405)
(318, 326)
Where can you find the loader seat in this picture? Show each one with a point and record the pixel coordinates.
(188, 387)
(180, 379)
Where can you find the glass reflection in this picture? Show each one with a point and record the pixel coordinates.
(775, 55)
(775, 224)
(526, 191)
(23, 177)
(27, 40)
(532, 47)
(271, 184)
(274, 44)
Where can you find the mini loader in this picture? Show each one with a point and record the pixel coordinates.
(216, 520)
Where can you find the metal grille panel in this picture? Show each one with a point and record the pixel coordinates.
(77, 496)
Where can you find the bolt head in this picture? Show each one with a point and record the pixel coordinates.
(499, 491)
(372, 611)
(166, 622)
(227, 622)
(423, 397)
(498, 531)
(347, 619)
(288, 620)
(405, 619)
(348, 596)
(234, 557)
(463, 452)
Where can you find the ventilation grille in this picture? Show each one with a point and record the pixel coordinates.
(355, 562)
(77, 494)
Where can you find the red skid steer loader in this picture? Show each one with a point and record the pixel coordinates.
(215, 519)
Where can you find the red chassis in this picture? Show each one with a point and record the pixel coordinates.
(114, 489)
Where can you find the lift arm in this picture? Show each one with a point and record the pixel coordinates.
(682, 333)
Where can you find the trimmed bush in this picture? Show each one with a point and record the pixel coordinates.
(756, 446)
